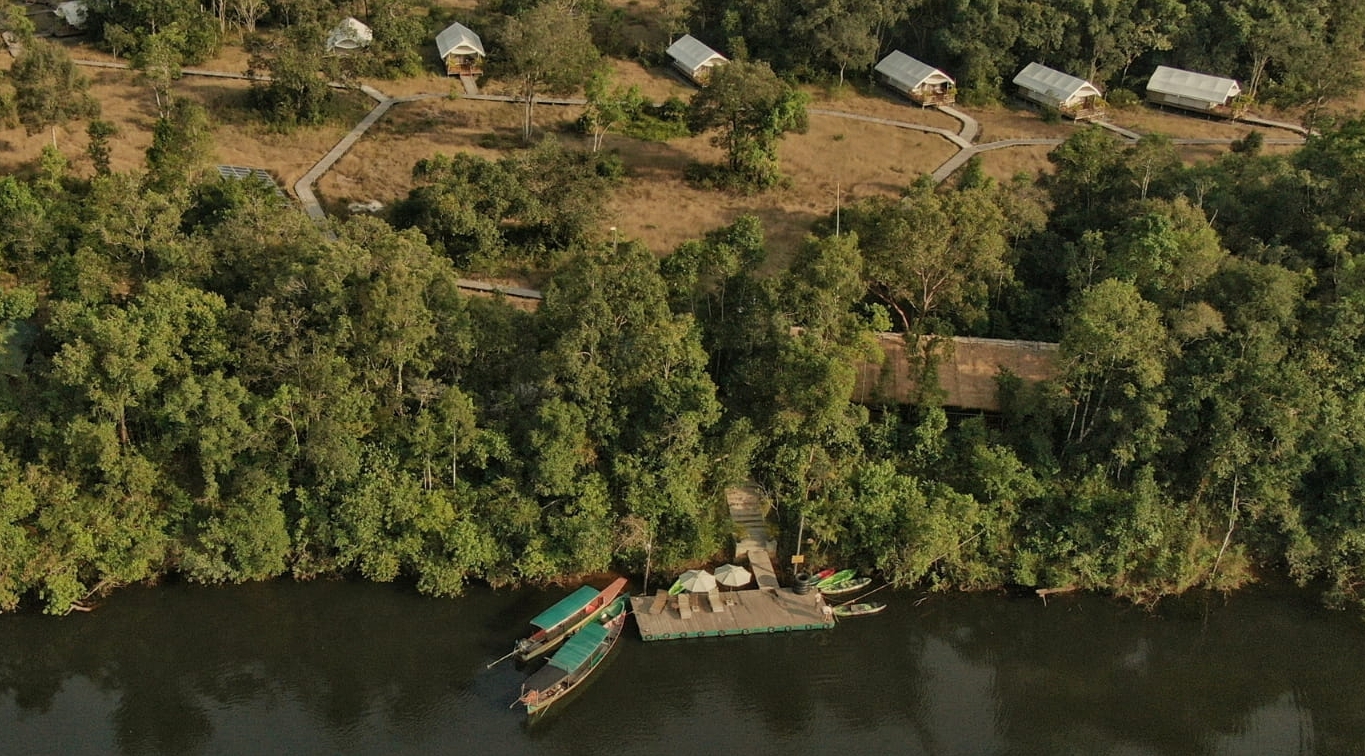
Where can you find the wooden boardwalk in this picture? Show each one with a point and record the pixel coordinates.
(748, 612)
(762, 567)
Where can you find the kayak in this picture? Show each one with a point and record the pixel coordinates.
(837, 577)
(858, 610)
(821, 575)
(845, 587)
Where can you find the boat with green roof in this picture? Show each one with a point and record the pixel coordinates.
(564, 619)
(575, 661)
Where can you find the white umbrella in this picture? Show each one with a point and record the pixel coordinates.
(697, 581)
(733, 576)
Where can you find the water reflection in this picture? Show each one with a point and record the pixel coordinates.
(354, 668)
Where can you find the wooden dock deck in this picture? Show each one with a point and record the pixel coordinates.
(746, 612)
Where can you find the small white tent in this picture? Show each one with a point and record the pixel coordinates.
(1190, 90)
(694, 58)
(73, 12)
(461, 49)
(915, 79)
(350, 34)
(1073, 96)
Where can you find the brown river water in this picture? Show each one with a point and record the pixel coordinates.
(353, 668)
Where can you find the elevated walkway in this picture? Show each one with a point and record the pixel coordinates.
(751, 526)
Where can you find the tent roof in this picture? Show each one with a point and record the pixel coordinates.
(691, 53)
(566, 608)
(73, 12)
(578, 649)
(1174, 81)
(910, 73)
(350, 30)
(1037, 77)
(457, 38)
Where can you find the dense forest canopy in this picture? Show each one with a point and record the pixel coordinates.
(222, 389)
(1295, 52)
(226, 391)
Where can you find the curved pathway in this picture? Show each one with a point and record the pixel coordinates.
(964, 139)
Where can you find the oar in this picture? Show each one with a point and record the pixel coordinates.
(496, 662)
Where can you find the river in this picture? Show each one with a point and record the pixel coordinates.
(345, 667)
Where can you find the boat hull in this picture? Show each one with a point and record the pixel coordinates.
(531, 647)
(537, 702)
(846, 587)
(858, 610)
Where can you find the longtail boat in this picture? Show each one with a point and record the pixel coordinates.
(845, 587)
(564, 618)
(572, 664)
(858, 610)
(837, 577)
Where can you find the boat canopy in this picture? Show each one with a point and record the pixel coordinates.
(579, 648)
(566, 608)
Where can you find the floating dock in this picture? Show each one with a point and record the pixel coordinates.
(748, 612)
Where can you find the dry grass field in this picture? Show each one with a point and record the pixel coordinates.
(239, 138)
(655, 205)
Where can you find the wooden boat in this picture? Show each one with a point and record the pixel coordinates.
(845, 587)
(837, 577)
(858, 610)
(573, 663)
(566, 617)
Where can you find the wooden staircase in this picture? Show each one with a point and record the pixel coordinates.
(747, 511)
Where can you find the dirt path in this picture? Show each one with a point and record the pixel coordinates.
(963, 139)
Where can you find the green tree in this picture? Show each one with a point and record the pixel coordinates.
(608, 109)
(15, 21)
(549, 49)
(182, 144)
(287, 86)
(158, 61)
(49, 90)
(843, 32)
(750, 109)
(932, 251)
(100, 132)
(1114, 352)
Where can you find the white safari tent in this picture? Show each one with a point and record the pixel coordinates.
(350, 34)
(694, 58)
(461, 49)
(917, 80)
(73, 12)
(1075, 97)
(1190, 90)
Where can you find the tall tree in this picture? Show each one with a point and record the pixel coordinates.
(932, 252)
(842, 32)
(549, 48)
(182, 143)
(49, 90)
(750, 109)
